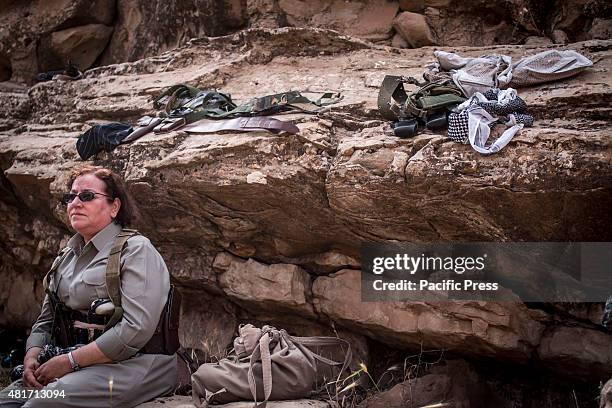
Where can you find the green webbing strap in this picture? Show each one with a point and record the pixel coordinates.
(174, 93)
(113, 275)
(203, 109)
(390, 94)
(215, 105)
(284, 101)
(303, 104)
(57, 306)
(300, 102)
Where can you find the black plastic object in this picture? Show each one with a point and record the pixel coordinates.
(17, 373)
(49, 351)
(437, 121)
(71, 70)
(405, 128)
(11, 359)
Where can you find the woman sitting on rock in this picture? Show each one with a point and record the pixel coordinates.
(112, 369)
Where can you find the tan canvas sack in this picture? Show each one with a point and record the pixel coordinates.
(267, 364)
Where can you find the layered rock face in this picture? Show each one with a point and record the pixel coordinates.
(44, 35)
(39, 36)
(267, 228)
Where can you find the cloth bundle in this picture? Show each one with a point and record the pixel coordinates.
(497, 71)
(471, 122)
(69, 73)
(102, 137)
(548, 66)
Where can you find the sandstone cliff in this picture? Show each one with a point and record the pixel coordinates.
(268, 228)
(38, 36)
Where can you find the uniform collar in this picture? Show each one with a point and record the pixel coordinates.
(103, 238)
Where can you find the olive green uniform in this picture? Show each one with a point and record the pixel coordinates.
(134, 377)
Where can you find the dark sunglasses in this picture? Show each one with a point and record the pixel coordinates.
(85, 196)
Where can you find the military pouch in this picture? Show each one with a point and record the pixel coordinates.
(165, 339)
(394, 103)
(435, 102)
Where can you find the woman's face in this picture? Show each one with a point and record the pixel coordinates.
(89, 218)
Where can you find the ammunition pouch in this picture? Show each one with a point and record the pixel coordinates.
(165, 339)
(427, 107)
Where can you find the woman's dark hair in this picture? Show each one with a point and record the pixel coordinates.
(114, 188)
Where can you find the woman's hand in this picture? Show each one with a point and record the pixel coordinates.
(30, 364)
(53, 369)
(29, 378)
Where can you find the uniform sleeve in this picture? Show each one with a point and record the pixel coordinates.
(41, 330)
(145, 283)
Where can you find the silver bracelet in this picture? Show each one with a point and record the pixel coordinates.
(73, 363)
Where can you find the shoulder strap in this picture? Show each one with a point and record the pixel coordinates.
(242, 124)
(113, 274)
(206, 104)
(262, 352)
(56, 263)
(291, 101)
(391, 93)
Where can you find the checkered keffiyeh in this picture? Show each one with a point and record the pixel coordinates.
(458, 127)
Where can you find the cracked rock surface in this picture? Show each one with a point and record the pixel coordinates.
(269, 227)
